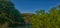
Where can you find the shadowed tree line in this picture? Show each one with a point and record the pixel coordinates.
(9, 15)
(50, 19)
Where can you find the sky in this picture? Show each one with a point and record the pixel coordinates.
(30, 6)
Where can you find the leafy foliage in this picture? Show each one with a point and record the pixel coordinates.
(10, 13)
(49, 19)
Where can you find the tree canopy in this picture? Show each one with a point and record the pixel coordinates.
(50, 19)
(9, 12)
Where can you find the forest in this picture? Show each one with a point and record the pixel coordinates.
(11, 17)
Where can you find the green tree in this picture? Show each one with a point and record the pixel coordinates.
(7, 7)
(38, 19)
(50, 19)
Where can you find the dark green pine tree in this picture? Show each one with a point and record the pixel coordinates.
(6, 6)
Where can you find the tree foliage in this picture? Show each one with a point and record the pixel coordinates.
(50, 19)
(10, 13)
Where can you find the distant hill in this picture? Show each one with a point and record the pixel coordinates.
(28, 14)
(27, 17)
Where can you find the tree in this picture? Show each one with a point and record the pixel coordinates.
(4, 20)
(13, 14)
(50, 19)
(38, 19)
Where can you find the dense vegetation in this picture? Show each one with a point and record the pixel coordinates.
(50, 19)
(9, 14)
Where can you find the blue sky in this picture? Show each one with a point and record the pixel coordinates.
(30, 6)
